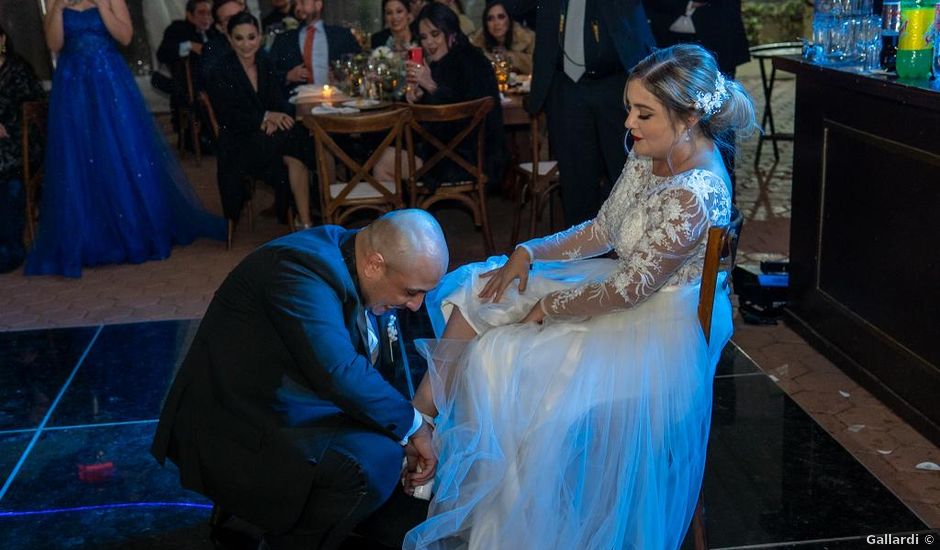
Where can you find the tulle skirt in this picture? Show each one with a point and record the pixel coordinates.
(587, 433)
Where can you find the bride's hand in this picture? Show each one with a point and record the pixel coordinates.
(500, 278)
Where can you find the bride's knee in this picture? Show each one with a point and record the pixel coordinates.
(458, 328)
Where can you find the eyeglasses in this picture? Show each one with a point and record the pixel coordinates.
(496, 16)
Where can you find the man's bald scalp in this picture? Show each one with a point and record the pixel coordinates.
(405, 237)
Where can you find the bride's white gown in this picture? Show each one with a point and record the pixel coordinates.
(590, 431)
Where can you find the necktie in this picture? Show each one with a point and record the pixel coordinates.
(574, 39)
(308, 49)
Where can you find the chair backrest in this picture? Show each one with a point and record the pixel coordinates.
(720, 252)
(34, 121)
(35, 116)
(362, 190)
(188, 74)
(210, 113)
(473, 112)
(535, 138)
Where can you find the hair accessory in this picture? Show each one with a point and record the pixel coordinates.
(709, 103)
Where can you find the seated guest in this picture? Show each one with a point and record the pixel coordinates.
(218, 45)
(256, 123)
(455, 72)
(18, 84)
(303, 56)
(280, 10)
(499, 35)
(185, 39)
(466, 25)
(400, 32)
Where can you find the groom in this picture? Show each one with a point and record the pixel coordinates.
(278, 413)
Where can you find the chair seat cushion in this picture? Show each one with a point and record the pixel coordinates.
(362, 190)
(545, 167)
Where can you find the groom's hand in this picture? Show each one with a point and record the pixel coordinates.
(420, 453)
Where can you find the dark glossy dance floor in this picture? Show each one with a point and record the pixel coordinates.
(78, 409)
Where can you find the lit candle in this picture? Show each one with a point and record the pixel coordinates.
(327, 91)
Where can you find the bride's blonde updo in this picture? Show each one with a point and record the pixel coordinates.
(686, 80)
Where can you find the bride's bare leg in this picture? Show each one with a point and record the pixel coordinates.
(457, 329)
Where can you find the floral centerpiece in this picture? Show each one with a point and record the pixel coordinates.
(385, 73)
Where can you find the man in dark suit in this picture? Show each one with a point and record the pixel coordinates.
(218, 45)
(716, 25)
(304, 55)
(278, 414)
(280, 10)
(583, 51)
(185, 39)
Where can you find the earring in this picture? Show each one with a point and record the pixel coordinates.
(688, 134)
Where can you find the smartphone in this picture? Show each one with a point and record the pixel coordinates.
(416, 55)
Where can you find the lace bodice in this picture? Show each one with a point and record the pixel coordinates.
(656, 224)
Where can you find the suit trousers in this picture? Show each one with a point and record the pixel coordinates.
(586, 130)
(356, 473)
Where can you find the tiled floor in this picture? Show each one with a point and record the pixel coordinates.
(181, 286)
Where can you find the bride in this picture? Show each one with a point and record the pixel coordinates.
(573, 408)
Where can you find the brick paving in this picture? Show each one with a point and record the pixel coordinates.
(181, 286)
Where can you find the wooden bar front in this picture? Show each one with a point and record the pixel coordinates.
(864, 251)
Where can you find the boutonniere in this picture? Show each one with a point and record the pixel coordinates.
(391, 329)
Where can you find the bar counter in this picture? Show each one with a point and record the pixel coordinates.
(864, 250)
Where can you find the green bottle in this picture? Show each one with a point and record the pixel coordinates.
(916, 40)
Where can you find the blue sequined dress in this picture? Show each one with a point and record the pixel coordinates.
(112, 192)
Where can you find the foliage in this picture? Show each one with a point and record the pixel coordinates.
(774, 20)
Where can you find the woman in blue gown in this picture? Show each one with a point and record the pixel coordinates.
(113, 192)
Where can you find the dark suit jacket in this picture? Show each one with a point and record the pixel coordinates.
(280, 357)
(287, 55)
(624, 19)
(238, 107)
(168, 53)
(718, 28)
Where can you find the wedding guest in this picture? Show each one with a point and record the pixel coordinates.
(579, 70)
(186, 39)
(280, 10)
(454, 71)
(112, 192)
(219, 45)
(257, 129)
(500, 36)
(18, 84)
(466, 25)
(400, 32)
(572, 409)
(304, 55)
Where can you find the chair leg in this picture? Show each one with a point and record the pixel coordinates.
(488, 243)
(30, 219)
(231, 233)
(699, 533)
(517, 211)
(195, 130)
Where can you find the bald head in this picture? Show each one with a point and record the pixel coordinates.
(400, 257)
(407, 239)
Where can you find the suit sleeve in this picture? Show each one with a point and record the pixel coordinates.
(308, 315)
(280, 56)
(168, 52)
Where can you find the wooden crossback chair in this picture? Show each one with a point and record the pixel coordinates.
(720, 254)
(361, 191)
(203, 99)
(188, 115)
(471, 192)
(35, 117)
(541, 180)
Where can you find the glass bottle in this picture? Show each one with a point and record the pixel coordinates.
(915, 42)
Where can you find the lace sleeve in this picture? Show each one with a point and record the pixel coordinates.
(580, 241)
(676, 222)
